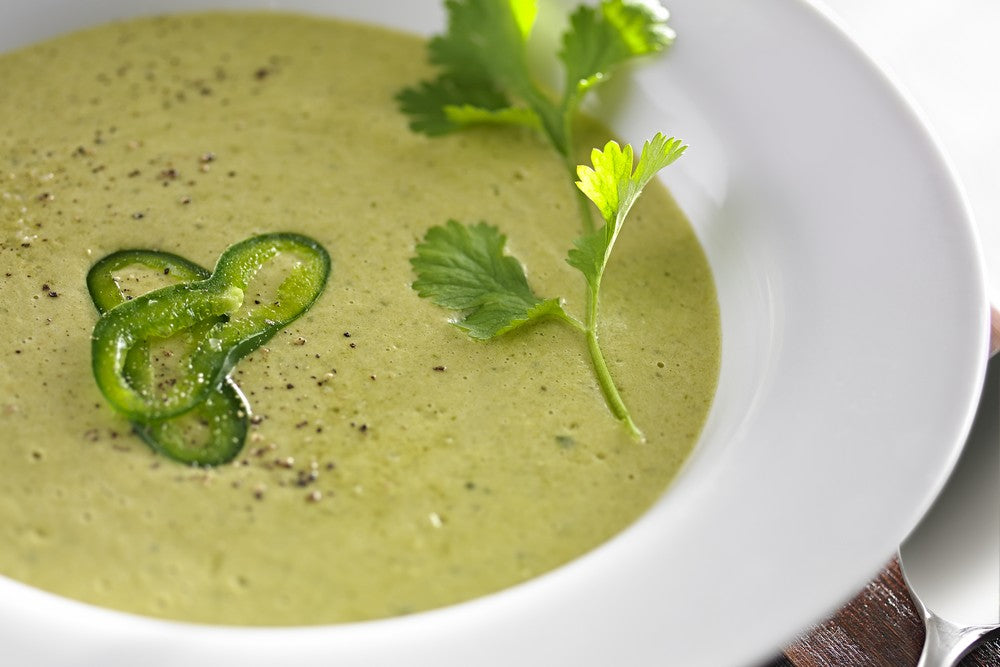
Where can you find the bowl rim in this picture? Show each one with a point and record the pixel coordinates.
(711, 186)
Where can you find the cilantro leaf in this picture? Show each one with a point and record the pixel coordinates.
(427, 103)
(601, 38)
(471, 115)
(641, 23)
(483, 47)
(485, 39)
(614, 187)
(464, 268)
(482, 56)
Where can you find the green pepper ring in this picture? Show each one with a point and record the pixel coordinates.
(225, 411)
(123, 331)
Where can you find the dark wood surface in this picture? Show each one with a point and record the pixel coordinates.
(879, 628)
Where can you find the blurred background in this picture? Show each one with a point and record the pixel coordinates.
(945, 56)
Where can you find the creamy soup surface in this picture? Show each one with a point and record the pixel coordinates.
(395, 465)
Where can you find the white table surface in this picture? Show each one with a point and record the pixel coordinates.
(945, 56)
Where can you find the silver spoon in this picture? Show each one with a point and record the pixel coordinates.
(951, 561)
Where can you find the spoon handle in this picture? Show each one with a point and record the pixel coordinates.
(946, 643)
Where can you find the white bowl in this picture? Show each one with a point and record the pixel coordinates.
(854, 337)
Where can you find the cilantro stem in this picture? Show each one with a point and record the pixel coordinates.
(612, 396)
(573, 322)
(608, 387)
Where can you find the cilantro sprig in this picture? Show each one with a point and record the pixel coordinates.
(614, 187)
(485, 78)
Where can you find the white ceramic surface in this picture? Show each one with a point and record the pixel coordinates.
(843, 254)
(944, 55)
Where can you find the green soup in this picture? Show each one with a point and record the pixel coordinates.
(394, 464)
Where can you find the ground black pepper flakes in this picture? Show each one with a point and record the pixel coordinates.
(306, 477)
